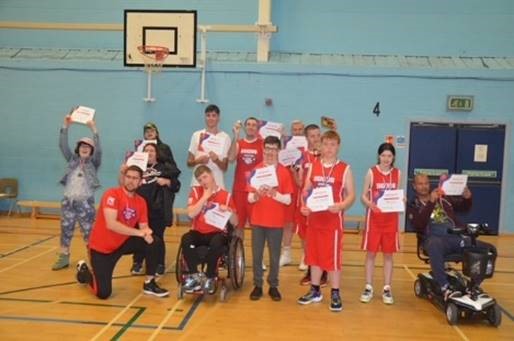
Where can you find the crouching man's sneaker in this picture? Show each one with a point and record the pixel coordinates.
(151, 288)
(84, 275)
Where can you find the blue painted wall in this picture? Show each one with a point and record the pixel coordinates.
(37, 93)
(409, 27)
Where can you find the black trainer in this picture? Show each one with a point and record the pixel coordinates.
(151, 288)
(84, 275)
(256, 293)
(275, 294)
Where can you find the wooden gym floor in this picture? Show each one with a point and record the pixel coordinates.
(38, 303)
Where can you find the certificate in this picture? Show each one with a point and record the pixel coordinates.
(216, 217)
(82, 114)
(139, 159)
(298, 142)
(455, 184)
(391, 201)
(267, 128)
(289, 157)
(265, 176)
(140, 144)
(320, 199)
(211, 143)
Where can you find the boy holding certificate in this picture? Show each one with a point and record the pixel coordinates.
(270, 189)
(381, 232)
(324, 235)
(210, 207)
(210, 147)
(247, 153)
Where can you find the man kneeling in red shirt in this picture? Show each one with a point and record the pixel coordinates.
(121, 228)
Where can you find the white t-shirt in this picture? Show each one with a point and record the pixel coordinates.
(216, 171)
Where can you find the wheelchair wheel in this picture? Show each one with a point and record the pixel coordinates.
(236, 262)
(419, 290)
(494, 315)
(179, 265)
(452, 314)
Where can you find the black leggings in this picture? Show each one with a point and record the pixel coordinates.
(158, 226)
(103, 263)
(215, 241)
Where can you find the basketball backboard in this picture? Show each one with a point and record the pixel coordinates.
(175, 30)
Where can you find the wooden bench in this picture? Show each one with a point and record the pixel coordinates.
(37, 205)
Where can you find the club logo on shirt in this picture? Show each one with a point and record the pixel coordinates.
(248, 156)
(128, 213)
(111, 201)
(385, 185)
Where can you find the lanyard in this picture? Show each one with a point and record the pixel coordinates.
(326, 177)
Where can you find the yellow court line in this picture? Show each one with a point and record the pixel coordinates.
(164, 320)
(457, 329)
(27, 260)
(108, 325)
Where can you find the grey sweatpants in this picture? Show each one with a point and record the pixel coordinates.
(274, 238)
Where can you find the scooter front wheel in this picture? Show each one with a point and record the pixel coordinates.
(452, 314)
(494, 315)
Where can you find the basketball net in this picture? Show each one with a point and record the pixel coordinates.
(153, 57)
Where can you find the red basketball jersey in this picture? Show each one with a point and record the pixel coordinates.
(334, 176)
(248, 156)
(380, 182)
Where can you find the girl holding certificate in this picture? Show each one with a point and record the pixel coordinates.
(381, 232)
(328, 192)
(80, 183)
(160, 183)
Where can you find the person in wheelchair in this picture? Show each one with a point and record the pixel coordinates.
(205, 231)
(432, 214)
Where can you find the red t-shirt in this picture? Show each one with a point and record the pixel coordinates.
(221, 197)
(131, 211)
(379, 183)
(335, 177)
(249, 155)
(267, 212)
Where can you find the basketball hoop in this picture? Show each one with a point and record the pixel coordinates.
(153, 57)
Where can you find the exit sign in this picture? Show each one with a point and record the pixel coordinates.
(460, 103)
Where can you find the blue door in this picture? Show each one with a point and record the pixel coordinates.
(476, 150)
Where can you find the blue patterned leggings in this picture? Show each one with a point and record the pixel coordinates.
(73, 211)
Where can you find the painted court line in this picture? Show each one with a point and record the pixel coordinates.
(457, 329)
(28, 259)
(21, 248)
(123, 311)
(165, 320)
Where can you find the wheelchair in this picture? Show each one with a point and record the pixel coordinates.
(231, 264)
(478, 263)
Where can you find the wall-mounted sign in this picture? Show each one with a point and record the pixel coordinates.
(460, 103)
